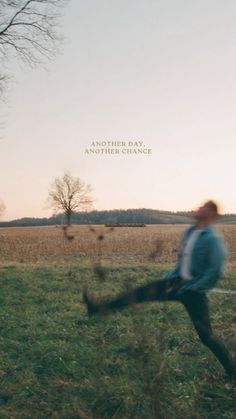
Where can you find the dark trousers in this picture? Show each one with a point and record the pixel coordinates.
(195, 303)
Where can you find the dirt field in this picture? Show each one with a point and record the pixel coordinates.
(157, 244)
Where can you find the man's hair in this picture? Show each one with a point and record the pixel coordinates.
(213, 206)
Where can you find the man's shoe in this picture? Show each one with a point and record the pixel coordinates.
(92, 307)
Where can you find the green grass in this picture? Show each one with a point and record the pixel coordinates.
(143, 362)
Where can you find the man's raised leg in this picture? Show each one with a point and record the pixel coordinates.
(156, 290)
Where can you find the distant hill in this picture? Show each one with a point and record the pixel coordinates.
(137, 216)
(228, 219)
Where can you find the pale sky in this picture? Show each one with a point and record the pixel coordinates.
(160, 72)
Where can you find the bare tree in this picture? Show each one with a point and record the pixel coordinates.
(69, 194)
(28, 30)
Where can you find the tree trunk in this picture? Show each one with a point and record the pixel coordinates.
(68, 217)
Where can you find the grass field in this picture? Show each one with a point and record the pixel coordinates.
(143, 362)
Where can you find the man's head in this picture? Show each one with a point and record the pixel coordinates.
(207, 213)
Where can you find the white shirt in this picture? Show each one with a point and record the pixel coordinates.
(186, 254)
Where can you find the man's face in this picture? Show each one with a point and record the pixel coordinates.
(204, 213)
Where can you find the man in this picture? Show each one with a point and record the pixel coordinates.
(200, 264)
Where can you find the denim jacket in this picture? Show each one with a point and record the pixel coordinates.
(206, 263)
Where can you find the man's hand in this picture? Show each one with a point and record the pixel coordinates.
(188, 286)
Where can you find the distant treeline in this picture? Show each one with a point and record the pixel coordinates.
(137, 216)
